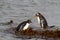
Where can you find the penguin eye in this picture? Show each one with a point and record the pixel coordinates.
(30, 21)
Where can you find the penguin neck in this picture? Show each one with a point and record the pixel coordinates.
(26, 26)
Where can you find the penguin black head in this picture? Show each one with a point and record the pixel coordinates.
(11, 21)
(38, 15)
(29, 21)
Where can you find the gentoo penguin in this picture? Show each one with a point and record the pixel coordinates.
(42, 20)
(11, 21)
(7, 23)
(24, 25)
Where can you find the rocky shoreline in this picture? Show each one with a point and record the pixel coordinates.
(30, 33)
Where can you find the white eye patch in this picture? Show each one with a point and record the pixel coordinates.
(37, 14)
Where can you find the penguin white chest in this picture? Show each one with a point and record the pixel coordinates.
(38, 20)
(42, 23)
(26, 26)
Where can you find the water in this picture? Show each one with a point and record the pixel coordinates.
(20, 10)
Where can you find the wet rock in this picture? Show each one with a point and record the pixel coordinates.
(30, 33)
